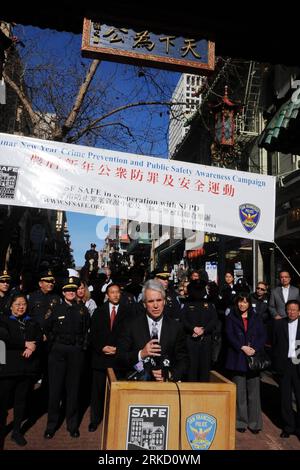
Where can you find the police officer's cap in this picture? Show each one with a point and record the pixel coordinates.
(4, 276)
(73, 273)
(47, 275)
(162, 272)
(71, 284)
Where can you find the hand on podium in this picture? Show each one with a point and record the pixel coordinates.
(158, 375)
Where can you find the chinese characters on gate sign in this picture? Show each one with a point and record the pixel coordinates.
(166, 50)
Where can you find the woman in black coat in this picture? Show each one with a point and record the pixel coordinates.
(245, 335)
(21, 336)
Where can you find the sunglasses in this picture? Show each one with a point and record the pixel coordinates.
(260, 288)
(4, 282)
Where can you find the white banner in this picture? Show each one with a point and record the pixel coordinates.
(55, 175)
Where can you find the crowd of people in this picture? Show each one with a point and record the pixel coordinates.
(62, 339)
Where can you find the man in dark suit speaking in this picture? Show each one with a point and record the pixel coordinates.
(154, 341)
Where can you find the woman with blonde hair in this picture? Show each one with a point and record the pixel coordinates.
(83, 295)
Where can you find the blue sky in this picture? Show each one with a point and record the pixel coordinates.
(83, 230)
(128, 85)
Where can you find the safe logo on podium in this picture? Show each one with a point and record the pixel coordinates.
(200, 430)
(147, 427)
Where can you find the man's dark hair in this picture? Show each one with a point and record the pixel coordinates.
(289, 302)
(113, 284)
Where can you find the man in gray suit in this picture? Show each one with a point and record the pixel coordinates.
(281, 295)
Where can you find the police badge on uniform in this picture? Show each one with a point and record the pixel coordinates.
(48, 314)
(249, 216)
(200, 430)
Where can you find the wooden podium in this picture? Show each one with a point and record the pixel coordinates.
(149, 415)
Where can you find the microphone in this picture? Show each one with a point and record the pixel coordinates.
(166, 369)
(134, 375)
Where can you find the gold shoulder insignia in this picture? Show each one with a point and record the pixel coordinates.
(48, 313)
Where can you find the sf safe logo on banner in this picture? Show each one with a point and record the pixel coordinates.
(147, 427)
(200, 430)
(8, 181)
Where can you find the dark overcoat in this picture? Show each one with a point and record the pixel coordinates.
(255, 336)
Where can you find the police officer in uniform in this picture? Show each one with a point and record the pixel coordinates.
(43, 300)
(172, 306)
(199, 319)
(4, 292)
(91, 258)
(67, 331)
(40, 304)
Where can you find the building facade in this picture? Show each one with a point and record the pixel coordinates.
(187, 97)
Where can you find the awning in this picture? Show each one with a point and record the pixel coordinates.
(170, 248)
(282, 132)
(136, 244)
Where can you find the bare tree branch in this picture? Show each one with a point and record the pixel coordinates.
(67, 126)
(23, 98)
(92, 124)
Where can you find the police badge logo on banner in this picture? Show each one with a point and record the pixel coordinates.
(249, 216)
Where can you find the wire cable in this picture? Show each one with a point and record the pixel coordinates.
(180, 416)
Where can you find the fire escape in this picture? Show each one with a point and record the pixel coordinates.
(248, 121)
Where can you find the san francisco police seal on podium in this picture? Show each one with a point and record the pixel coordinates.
(200, 430)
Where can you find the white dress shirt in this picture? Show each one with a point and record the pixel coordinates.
(110, 308)
(150, 324)
(285, 293)
(158, 326)
(293, 325)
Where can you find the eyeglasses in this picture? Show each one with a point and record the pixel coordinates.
(4, 282)
(48, 281)
(261, 288)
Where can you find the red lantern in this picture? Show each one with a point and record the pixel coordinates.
(224, 121)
